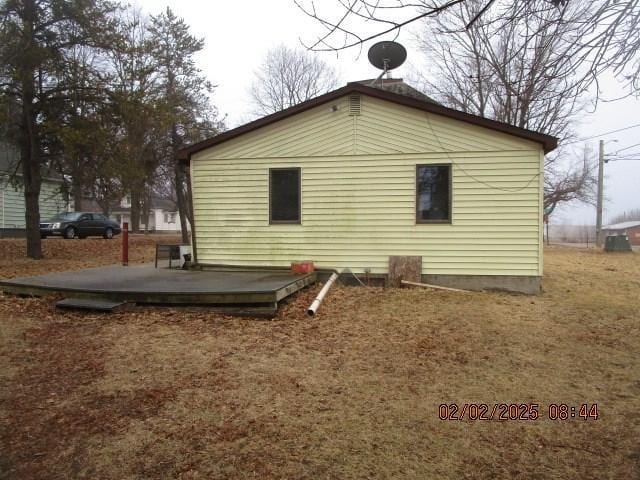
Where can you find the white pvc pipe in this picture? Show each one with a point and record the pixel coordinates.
(311, 311)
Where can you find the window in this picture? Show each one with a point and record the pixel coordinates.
(169, 217)
(433, 194)
(284, 195)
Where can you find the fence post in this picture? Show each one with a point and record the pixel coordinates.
(125, 244)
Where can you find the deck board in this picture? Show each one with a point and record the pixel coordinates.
(145, 284)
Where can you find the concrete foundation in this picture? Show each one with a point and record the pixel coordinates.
(509, 283)
(530, 285)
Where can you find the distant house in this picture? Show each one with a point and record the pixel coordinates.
(631, 229)
(365, 172)
(163, 215)
(12, 207)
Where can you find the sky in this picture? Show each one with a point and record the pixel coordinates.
(239, 33)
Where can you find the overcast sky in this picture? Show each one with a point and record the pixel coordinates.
(239, 33)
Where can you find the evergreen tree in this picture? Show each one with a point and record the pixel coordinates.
(185, 97)
(36, 38)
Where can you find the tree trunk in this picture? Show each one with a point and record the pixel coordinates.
(135, 210)
(32, 183)
(146, 213)
(182, 200)
(29, 145)
(179, 176)
(76, 191)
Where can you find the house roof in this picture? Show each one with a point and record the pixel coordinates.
(398, 94)
(396, 85)
(622, 225)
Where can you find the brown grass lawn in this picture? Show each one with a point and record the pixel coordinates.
(353, 393)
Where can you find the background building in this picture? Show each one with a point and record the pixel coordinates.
(12, 207)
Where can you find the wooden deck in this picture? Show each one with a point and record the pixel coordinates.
(229, 290)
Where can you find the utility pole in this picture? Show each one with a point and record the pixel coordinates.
(600, 195)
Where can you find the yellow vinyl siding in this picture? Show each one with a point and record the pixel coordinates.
(358, 193)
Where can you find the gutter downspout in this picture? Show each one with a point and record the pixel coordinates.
(192, 220)
(311, 311)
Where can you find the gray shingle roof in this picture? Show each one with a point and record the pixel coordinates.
(622, 225)
(397, 85)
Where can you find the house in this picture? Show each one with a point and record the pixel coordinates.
(12, 207)
(631, 229)
(163, 215)
(365, 172)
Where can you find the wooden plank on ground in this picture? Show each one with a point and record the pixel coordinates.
(404, 268)
(437, 287)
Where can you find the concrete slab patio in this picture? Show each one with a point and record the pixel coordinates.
(148, 285)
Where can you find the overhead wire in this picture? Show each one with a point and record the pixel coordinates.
(603, 134)
(626, 148)
(486, 184)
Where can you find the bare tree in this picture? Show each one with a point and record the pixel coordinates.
(566, 182)
(607, 32)
(185, 100)
(290, 76)
(516, 73)
(627, 216)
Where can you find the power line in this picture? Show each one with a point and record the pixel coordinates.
(628, 155)
(626, 148)
(603, 134)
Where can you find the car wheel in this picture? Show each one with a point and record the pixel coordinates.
(108, 233)
(70, 232)
(43, 236)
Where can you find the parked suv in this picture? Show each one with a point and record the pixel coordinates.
(79, 224)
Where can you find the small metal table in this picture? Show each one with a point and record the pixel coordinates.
(172, 250)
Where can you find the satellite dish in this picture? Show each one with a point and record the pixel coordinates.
(387, 55)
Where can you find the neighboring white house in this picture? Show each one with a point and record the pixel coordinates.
(163, 215)
(12, 208)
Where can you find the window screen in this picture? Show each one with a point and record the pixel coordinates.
(284, 195)
(433, 193)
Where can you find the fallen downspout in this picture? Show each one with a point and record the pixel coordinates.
(311, 311)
